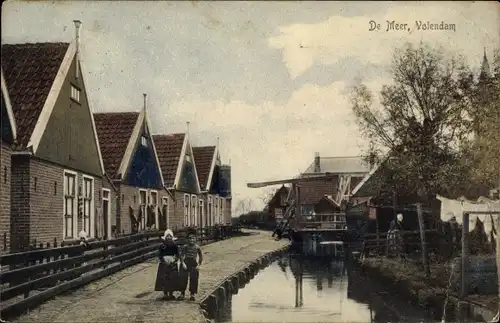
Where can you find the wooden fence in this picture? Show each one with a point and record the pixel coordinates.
(30, 278)
(377, 244)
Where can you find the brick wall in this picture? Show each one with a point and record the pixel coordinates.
(20, 206)
(46, 202)
(228, 212)
(37, 190)
(177, 218)
(5, 197)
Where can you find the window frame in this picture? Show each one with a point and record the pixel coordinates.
(194, 210)
(88, 205)
(144, 141)
(75, 93)
(74, 205)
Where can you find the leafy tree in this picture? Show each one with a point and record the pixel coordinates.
(419, 122)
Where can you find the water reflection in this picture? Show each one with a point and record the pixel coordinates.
(296, 290)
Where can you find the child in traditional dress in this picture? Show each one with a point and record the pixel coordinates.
(168, 274)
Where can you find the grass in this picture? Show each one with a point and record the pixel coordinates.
(407, 277)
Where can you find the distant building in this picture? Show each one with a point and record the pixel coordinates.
(215, 186)
(277, 205)
(347, 171)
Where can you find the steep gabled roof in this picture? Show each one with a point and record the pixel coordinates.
(34, 74)
(169, 148)
(114, 131)
(10, 119)
(205, 162)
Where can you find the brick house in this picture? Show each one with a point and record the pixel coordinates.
(131, 162)
(181, 179)
(9, 132)
(57, 170)
(215, 191)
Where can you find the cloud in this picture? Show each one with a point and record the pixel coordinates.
(226, 67)
(270, 141)
(332, 40)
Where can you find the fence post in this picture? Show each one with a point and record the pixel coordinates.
(465, 251)
(425, 255)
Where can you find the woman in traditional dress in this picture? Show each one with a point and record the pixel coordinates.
(168, 271)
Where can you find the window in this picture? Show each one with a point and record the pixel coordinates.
(55, 188)
(210, 221)
(88, 189)
(69, 204)
(186, 209)
(142, 209)
(5, 174)
(194, 210)
(75, 93)
(154, 206)
(144, 141)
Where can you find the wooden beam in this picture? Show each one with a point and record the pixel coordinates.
(327, 176)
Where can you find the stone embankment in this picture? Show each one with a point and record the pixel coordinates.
(128, 295)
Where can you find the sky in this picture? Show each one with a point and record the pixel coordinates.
(269, 79)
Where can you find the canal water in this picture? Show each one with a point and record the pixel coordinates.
(292, 290)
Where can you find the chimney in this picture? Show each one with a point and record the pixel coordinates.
(317, 164)
(145, 99)
(77, 43)
(187, 126)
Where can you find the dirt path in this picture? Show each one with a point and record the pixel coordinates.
(128, 296)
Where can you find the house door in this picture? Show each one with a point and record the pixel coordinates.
(201, 212)
(143, 209)
(164, 212)
(106, 213)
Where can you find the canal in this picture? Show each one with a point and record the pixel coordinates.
(325, 292)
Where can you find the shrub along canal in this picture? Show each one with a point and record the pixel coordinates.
(299, 290)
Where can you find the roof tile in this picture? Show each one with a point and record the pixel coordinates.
(30, 71)
(114, 131)
(203, 157)
(169, 148)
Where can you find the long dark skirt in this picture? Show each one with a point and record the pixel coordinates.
(167, 278)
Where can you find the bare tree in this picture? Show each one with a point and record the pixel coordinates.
(267, 195)
(244, 206)
(419, 122)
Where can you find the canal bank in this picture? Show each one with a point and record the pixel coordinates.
(407, 280)
(128, 296)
